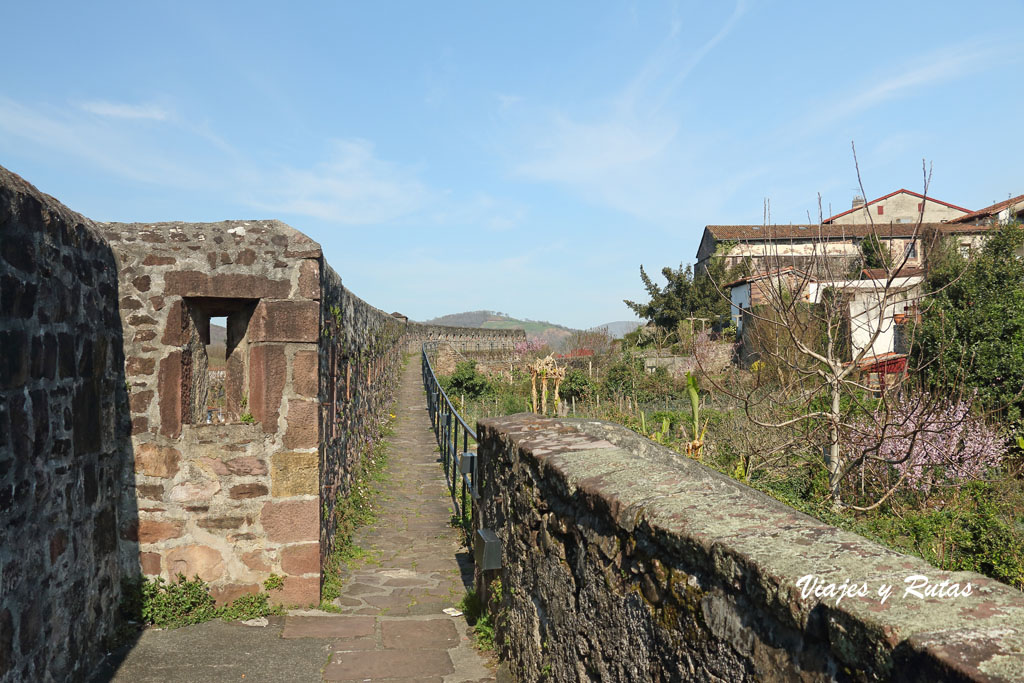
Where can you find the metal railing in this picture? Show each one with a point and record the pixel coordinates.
(459, 464)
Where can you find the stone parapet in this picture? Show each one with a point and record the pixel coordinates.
(622, 560)
(65, 451)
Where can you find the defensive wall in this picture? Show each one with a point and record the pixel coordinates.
(65, 449)
(111, 460)
(623, 561)
(463, 338)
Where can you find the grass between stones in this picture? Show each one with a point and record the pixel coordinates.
(356, 510)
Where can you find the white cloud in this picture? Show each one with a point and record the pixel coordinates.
(120, 110)
(351, 187)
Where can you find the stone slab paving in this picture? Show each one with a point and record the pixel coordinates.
(391, 627)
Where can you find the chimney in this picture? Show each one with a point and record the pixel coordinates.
(858, 201)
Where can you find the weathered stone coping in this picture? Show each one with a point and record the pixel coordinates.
(759, 548)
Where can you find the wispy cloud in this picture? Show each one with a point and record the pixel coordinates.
(635, 154)
(121, 110)
(352, 187)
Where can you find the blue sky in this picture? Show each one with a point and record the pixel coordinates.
(526, 157)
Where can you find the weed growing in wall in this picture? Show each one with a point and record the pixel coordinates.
(184, 602)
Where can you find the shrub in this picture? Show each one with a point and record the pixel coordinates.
(466, 381)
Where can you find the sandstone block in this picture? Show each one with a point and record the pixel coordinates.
(298, 591)
(305, 369)
(150, 491)
(191, 560)
(301, 559)
(285, 321)
(221, 522)
(309, 279)
(235, 285)
(154, 260)
(268, 373)
(140, 401)
(194, 491)
(136, 366)
(291, 520)
(154, 531)
(246, 466)
(157, 461)
(243, 491)
(169, 386)
(303, 429)
(256, 560)
(150, 563)
(294, 474)
(226, 594)
(142, 283)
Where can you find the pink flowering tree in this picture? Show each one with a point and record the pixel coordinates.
(912, 442)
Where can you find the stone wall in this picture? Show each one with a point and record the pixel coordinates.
(64, 442)
(360, 358)
(463, 338)
(234, 500)
(622, 561)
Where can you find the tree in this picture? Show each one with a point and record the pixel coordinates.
(975, 321)
(809, 376)
(687, 294)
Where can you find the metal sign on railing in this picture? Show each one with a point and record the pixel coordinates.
(460, 469)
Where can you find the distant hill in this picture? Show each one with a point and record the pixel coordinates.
(554, 335)
(618, 329)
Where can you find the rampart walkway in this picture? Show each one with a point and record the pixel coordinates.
(392, 627)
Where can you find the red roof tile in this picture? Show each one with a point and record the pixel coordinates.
(989, 210)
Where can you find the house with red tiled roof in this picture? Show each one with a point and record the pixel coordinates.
(829, 250)
(1001, 212)
(901, 206)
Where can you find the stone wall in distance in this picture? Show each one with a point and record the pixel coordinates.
(65, 450)
(622, 560)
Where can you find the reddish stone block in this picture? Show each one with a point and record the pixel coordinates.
(246, 466)
(301, 559)
(246, 257)
(142, 283)
(140, 425)
(305, 369)
(150, 491)
(298, 591)
(195, 283)
(145, 336)
(153, 531)
(225, 595)
(157, 461)
(198, 491)
(243, 491)
(285, 321)
(268, 373)
(136, 366)
(303, 429)
(309, 279)
(140, 401)
(150, 563)
(129, 303)
(191, 560)
(154, 260)
(223, 522)
(157, 302)
(174, 327)
(256, 560)
(291, 521)
(218, 466)
(169, 386)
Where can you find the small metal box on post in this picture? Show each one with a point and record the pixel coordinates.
(487, 557)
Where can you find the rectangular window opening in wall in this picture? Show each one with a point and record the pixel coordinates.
(215, 373)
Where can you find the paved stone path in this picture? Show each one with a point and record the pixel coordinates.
(391, 627)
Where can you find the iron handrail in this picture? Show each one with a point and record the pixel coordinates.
(459, 466)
